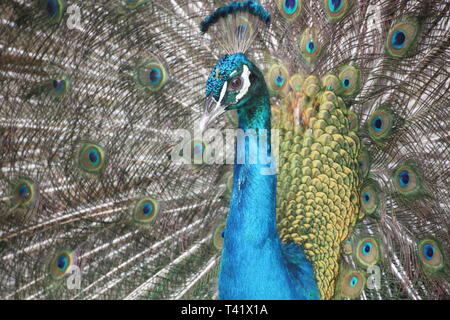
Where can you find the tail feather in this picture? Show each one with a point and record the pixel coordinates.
(87, 125)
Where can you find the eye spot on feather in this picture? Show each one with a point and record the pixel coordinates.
(59, 86)
(398, 39)
(91, 158)
(428, 251)
(346, 83)
(290, 9)
(408, 181)
(403, 178)
(382, 124)
(353, 281)
(144, 211)
(351, 284)
(151, 75)
(335, 5)
(279, 81)
(154, 76)
(336, 9)
(219, 236)
(431, 255)
(309, 45)
(402, 37)
(53, 10)
(60, 264)
(377, 123)
(24, 193)
(367, 252)
(366, 197)
(369, 197)
(276, 78)
(367, 247)
(94, 156)
(350, 80)
(290, 5)
(147, 209)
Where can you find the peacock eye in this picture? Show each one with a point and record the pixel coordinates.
(236, 83)
(431, 255)
(60, 264)
(353, 281)
(25, 193)
(219, 236)
(367, 252)
(91, 158)
(366, 248)
(145, 211)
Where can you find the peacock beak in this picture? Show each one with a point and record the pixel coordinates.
(212, 110)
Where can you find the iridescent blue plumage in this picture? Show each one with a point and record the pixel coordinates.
(52, 8)
(255, 264)
(428, 251)
(403, 178)
(366, 248)
(398, 39)
(335, 5)
(62, 262)
(221, 72)
(24, 191)
(377, 123)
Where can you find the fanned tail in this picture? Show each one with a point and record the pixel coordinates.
(89, 191)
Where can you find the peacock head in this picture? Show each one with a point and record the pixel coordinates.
(234, 83)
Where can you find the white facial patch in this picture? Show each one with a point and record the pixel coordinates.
(246, 77)
(222, 94)
(233, 73)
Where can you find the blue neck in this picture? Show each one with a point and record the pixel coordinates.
(253, 198)
(253, 265)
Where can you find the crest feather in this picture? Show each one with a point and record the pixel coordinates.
(236, 24)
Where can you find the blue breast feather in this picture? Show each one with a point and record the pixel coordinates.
(270, 274)
(255, 264)
(301, 270)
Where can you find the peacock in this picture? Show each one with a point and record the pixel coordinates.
(117, 180)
